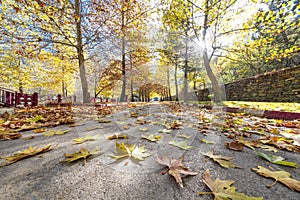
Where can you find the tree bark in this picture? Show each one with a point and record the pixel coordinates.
(82, 73)
(175, 80)
(122, 97)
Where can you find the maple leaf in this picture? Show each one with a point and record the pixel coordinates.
(41, 130)
(222, 189)
(181, 144)
(7, 135)
(104, 121)
(224, 161)
(175, 168)
(152, 138)
(56, 132)
(81, 154)
(84, 139)
(30, 151)
(234, 145)
(129, 150)
(117, 136)
(277, 160)
(281, 176)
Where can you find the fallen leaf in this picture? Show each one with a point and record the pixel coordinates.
(34, 119)
(41, 130)
(7, 135)
(129, 150)
(56, 132)
(207, 142)
(183, 136)
(281, 176)
(117, 136)
(81, 154)
(165, 131)
(277, 160)
(143, 129)
(175, 125)
(224, 161)
(180, 144)
(86, 138)
(74, 125)
(152, 138)
(222, 189)
(235, 145)
(94, 128)
(175, 168)
(29, 137)
(30, 151)
(104, 121)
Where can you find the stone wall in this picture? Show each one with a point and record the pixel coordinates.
(278, 86)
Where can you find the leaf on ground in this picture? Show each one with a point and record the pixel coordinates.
(30, 151)
(93, 128)
(41, 130)
(56, 132)
(180, 144)
(81, 154)
(280, 142)
(85, 139)
(165, 131)
(104, 121)
(34, 119)
(175, 168)
(74, 125)
(281, 176)
(175, 125)
(7, 135)
(206, 141)
(224, 161)
(129, 150)
(117, 136)
(222, 189)
(152, 138)
(143, 129)
(256, 144)
(182, 135)
(277, 160)
(234, 145)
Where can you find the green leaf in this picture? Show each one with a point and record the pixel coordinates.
(180, 144)
(277, 160)
(152, 138)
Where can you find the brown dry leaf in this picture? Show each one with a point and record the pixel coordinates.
(41, 130)
(175, 168)
(7, 135)
(235, 145)
(117, 136)
(30, 151)
(281, 176)
(222, 189)
(175, 125)
(280, 142)
(224, 161)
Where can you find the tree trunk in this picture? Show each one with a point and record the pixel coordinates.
(185, 82)
(82, 73)
(122, 98)
(175, 80)
(131, 80)
(217, 98)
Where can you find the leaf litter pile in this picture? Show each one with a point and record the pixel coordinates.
(268, 135)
